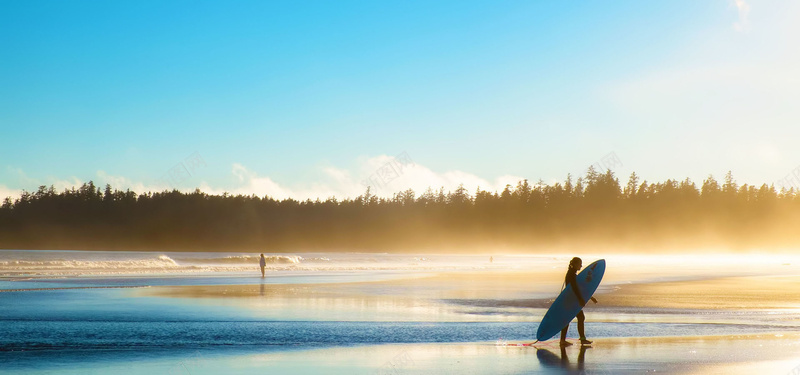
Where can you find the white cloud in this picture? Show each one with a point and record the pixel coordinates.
(419, 178)
(385, 174)
(61, 185)
(32, 184)
(251, 183)
(7, 192)
(123, 183)
(340, 183)
(744, 10)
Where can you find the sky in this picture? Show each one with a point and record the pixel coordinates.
(323, 98)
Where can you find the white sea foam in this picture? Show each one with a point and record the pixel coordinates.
(245, 259)
(18, 263)
(159, 262)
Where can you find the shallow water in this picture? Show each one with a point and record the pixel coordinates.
(91, 317)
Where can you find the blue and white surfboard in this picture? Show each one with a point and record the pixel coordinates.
(566, 305)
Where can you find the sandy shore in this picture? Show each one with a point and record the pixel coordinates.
(732, 293)
(510, 296)
(651, 318)
(523, 297)
(478, 284)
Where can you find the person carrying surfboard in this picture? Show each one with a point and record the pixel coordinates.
(570, 302)
(571, 281)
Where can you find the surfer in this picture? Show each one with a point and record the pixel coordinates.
(571, 281)
(263, 263)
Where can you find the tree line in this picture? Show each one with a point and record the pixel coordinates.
(594, 211)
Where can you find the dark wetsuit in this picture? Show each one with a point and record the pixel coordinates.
(571, 281)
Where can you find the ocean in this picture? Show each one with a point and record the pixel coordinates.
(193, 313)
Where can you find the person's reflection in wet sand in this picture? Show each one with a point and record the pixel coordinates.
(582, 357)
(549, 360)
(263, 287)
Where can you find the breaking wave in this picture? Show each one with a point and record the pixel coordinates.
(246, 259)
(160, 262)
(77, 267)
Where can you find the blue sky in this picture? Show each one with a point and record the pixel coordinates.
(311, 99)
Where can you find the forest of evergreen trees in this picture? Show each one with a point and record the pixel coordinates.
(595, 211)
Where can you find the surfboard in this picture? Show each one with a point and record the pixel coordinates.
(566, 305)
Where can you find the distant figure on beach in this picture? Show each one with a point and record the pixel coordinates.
(491, 259)
(263, 263)
(571, 281)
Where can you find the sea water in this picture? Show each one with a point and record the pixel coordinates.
(68, 310)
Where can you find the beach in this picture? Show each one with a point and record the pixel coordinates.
(90, 312)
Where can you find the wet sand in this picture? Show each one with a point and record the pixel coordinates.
(730, 293)
(515, 296)
(748, 354)
(701, 355)
(523, 297)
(656, 314)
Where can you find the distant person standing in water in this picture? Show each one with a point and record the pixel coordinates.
(263, 263)
(571, 281)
